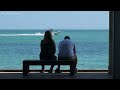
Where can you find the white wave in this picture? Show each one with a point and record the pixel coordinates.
(36, 34)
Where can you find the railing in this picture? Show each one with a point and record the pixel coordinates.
(18, 70)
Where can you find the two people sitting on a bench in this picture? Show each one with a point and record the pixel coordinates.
(48, 49)
(67, 51)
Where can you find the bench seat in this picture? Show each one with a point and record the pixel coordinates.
(27, 63)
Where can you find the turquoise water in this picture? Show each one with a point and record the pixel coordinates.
(92, 47)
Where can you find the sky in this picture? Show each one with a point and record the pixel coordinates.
(54, 19)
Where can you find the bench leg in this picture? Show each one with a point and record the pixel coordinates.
(72, 71)
(25, 69)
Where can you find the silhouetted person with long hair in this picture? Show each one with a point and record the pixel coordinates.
(48, 49)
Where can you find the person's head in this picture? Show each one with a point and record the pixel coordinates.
(67, 37)
(48, 35)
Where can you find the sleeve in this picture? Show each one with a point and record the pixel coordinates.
(59, 47)
(41, 44)
(54, 47)
(40, 47)
(74, 49)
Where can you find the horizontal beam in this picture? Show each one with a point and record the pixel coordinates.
(48, 62)
(48, 70)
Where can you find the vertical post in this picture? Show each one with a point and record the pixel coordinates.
(111, 42)
(25, 68)
(72, 69)
(116, 72)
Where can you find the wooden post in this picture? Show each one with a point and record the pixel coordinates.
(25, 68)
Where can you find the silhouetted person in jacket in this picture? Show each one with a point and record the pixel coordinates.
(48, 49)
(67, 51)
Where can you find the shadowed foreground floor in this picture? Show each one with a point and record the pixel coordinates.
(82, 75)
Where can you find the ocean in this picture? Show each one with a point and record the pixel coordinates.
(92, 48)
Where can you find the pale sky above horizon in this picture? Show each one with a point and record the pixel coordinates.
(54, 19)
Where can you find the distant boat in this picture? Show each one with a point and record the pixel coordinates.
(39, 33)
(34, 34)
(56, 33)
(53, 33)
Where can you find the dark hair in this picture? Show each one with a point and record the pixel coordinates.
(48, 35)
(67, 37)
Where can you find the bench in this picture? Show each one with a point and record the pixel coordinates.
(27, 63)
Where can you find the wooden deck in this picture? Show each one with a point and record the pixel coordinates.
(64, 75)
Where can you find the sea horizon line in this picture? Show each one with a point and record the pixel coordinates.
(54, 29)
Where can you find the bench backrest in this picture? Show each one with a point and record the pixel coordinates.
(48, 62)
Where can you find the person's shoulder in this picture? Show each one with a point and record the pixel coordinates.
(72, 42)
(53, 41)
(61, 41)
(42, 40)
